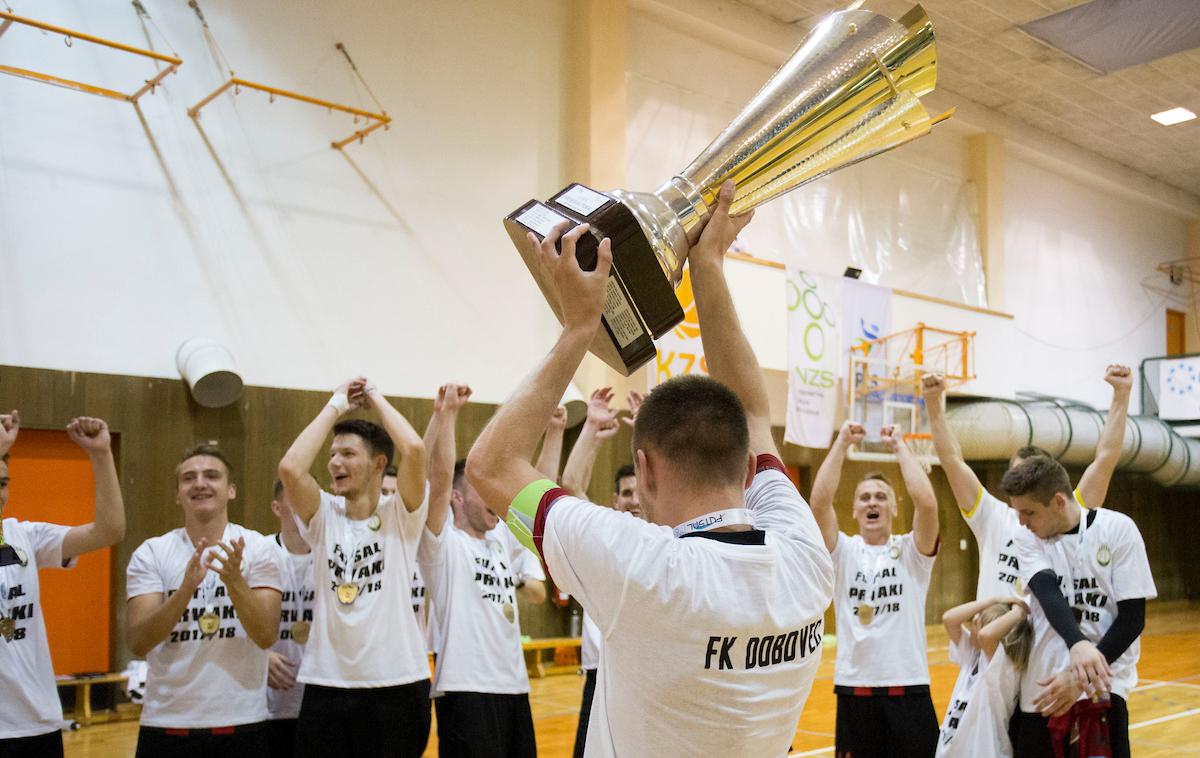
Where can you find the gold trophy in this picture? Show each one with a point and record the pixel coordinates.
(847, 93)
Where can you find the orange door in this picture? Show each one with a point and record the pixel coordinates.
(52, 481)
(1176, 332)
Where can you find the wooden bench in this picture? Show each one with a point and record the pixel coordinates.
(533, 655)
(83, 697)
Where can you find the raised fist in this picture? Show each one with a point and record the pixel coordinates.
(10, 426)
(89, 433)
(1120, 377)
(558, 419)
(891, 438)
(851, 432)
(933, 386)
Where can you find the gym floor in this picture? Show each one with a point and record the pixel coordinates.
(1164, 709)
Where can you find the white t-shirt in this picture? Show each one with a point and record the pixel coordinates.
(472, 587)
(296, 607)
(198, 682)
(995, 526)
(892, 580)
(1099, 566)
(710, 647)
(30, 701)
(373, 641)
(990, 698)
(589, 646)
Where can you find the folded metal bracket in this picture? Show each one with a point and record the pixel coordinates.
(173, 63)
(381, 120)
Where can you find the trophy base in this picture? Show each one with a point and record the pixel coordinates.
(640, 304)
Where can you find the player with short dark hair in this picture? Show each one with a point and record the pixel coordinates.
(480, 686)
(365, 669)
(203, 609)
(713, 610)
(1090, 579)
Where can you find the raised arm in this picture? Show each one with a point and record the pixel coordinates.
(829, 475)
(303, 492)
(601, 423)
(963, 482)
(1093, 485)
(440, 439)
(552, 444)
(730, 358)
(150, 618)
(954, 618)
(411, 465)
(108, 523)
(916, 481)
(498, 465)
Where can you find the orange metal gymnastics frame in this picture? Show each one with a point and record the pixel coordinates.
(173, 63)
(381, 119)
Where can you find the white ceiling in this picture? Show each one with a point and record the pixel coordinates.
(984, 57)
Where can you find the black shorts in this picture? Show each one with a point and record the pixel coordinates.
(585, 711)
(281, 736)
(1031, 737)
(480, 725)
(47, 745)
(885, 722)
(245, 741)
(368, 722)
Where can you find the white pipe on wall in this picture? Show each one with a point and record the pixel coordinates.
(995, 429)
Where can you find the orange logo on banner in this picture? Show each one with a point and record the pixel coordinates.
(681, 352)
(689, 328)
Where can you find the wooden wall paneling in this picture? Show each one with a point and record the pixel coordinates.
(157, 420)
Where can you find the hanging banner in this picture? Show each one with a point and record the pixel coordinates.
(814, 352)
(866, 315)
(680, 351)
(1179, 389)
(827, 317)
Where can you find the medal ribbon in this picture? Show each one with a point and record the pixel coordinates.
(208, 588)
(715, 520)
(876, 567)
(1069, 573)
(351, 542)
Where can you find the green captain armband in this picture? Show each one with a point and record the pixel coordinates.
(523, 511)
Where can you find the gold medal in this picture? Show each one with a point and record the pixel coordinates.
(300, 631)
(347, 593)
(510, 613)
(209, 623)
(374, 522)
(865, 613)
(1104, 555)
(8, 628)
(894, 552)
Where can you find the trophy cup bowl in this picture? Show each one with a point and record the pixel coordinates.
(848, 92)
